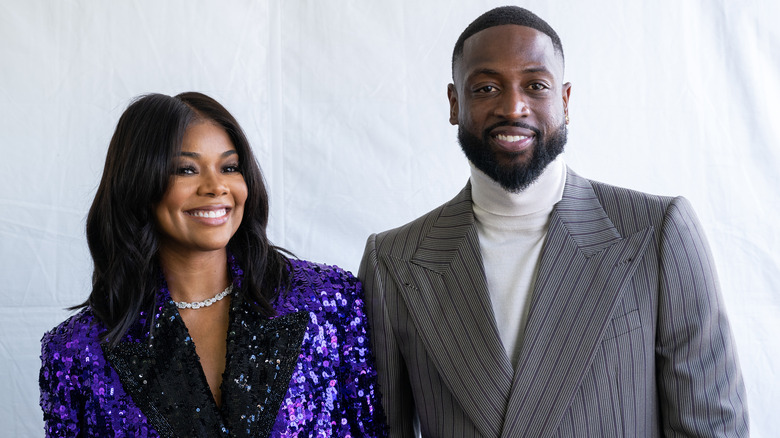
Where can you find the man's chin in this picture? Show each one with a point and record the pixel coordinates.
(514, 159)
(513, 171)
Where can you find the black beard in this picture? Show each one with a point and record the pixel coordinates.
(516, 177)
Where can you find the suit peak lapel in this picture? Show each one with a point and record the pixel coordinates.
(583, 217)
(584, 265)
(443, 241)
(445, 291)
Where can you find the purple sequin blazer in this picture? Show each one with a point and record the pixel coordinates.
(307, 372)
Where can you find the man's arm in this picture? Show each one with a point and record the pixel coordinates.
(391, 369)
(701, 392)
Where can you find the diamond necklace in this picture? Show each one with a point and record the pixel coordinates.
(205, 303)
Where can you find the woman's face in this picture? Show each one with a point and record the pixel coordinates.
(204, 204)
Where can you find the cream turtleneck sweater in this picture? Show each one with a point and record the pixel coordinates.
(512, 228)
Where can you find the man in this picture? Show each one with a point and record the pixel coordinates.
(537, 302)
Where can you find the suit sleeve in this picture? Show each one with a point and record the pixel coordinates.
(392, 375)
(701, 392)
(59, 382)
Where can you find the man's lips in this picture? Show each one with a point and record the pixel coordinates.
(512, 139)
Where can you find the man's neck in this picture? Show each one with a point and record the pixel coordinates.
(542, 194)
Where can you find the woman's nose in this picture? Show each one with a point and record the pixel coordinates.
(212, 184)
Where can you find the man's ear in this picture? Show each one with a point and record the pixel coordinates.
(565, 95)
(452, 96)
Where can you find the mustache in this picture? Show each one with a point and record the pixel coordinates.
(535, 130)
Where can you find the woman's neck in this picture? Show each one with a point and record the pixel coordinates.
(194, 276)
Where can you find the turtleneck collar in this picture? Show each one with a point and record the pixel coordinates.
(540, 196)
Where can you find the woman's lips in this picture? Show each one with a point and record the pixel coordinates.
(209, 216)
(208, 213)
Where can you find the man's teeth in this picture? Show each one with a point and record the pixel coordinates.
(503, 137)
(209, 213)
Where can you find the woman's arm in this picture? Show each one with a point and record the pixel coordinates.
(361, 397)
(60, 384)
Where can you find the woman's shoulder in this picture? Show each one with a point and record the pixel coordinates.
(326, 278)
(73, 334)
(319, 287)
(79, 325)
(314, 270)
(70, 347)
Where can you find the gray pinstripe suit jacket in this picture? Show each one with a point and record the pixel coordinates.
(626, 335)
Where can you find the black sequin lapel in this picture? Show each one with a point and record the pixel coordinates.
(261, 358)
(166, 382)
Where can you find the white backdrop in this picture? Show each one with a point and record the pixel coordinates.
(345, 105)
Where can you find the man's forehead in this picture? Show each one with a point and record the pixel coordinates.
(508, 41)
(506, 33)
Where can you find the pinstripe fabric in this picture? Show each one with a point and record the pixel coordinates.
(626, 335)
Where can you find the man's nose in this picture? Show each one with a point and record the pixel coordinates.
(513, 105)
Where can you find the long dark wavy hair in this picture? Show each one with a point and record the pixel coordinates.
(121, 230)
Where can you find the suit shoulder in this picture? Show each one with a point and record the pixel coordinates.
(633, 208)
(604, 190)
(408, 236)
(421, 222)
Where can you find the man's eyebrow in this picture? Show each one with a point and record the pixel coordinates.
(491, 72)
(483, 71)
(539, 69)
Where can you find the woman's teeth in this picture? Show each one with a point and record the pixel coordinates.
(208, 213)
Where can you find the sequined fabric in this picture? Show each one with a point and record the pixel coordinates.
(319, 381)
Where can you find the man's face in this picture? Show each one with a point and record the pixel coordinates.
(509, 102)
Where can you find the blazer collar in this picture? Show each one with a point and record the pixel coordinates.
(162, 373)
(443, 284)
(452, 228)
(584, 264)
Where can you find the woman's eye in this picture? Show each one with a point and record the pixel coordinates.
(231, 168)
(185, 170)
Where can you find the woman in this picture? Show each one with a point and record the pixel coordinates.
(196, 324)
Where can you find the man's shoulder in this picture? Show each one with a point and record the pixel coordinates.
(412, 227)
(610, 192)
(629, 208)
(409, 235)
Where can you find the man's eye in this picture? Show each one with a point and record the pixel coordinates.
(537, 86)
(487, 89)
